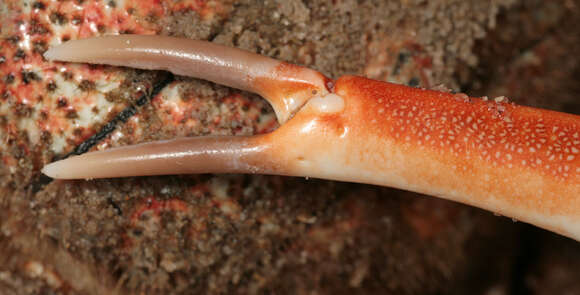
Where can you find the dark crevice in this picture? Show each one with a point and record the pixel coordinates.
(526, 255)
(503, 47)
(115, 206)
(484, 73)
(39, 183)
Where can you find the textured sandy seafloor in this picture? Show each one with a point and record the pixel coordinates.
(264, 234)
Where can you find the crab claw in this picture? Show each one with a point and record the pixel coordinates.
(272, 153)
(513, 160)
(286, 86)
(178, 156)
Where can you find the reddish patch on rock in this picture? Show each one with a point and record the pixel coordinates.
(157, 207)
(429, 217)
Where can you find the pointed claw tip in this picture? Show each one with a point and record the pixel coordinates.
(48, 170)
(51, 54)
(53, 170)
(61, 52)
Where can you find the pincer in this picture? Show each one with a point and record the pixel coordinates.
(516, 161)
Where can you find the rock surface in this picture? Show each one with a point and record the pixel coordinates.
(212, 234)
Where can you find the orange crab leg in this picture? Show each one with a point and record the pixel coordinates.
(513, 160)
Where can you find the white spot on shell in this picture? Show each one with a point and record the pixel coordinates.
(499, 99)
(331, 103)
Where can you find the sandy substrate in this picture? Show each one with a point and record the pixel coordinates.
(211, 234)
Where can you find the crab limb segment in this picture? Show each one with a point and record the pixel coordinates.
(224, 154)
(513, 160)
(285, 86)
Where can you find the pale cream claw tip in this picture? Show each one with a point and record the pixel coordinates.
(55, 53)
(48, 170)
(49, 54)
(52, 170)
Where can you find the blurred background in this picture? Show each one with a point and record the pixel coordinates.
(255, 234)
